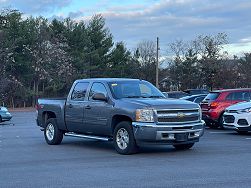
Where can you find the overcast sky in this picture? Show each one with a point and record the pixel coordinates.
(132, 21)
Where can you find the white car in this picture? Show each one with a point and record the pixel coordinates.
(238, 117)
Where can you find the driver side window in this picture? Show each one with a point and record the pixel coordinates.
(97, 88)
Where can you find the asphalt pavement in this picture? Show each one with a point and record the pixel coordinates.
(222, 158)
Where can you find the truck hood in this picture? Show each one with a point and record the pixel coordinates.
(240, 106)
(162, 103)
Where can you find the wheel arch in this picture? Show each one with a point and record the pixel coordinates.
(47, 115)
(119, 118)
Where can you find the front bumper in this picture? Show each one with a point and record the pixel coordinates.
(167, 133)
(236, 125)
(6, 117)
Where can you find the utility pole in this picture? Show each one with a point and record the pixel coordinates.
(157, 64)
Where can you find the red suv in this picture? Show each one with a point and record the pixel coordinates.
(215, 103)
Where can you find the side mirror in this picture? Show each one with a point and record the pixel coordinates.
(99, 96)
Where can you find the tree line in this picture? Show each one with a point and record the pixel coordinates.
(42, 58)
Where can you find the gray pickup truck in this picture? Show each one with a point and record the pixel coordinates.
(129, 112)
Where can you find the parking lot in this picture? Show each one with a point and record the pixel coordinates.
(220, 159)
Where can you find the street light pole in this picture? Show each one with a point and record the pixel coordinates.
(157, 64)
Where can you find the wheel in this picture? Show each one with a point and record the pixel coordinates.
(220, 122)
(1, 119)
(212, 125)
(242, 132)
(52, 134)
(183, 146)
(123, 138)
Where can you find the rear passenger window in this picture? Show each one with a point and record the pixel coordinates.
(243, 95)
(246, 96)
(79, 91)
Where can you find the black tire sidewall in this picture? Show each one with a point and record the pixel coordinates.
(220, 122)
(242, 132)
(184, 146)
(132, 147)
(58, 135)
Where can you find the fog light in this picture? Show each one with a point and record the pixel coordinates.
(171, 136)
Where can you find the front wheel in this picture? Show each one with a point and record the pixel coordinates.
(123, 138)
(52, 135)
(242, 132)
(183, 146)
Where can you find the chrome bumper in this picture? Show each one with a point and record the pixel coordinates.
(152, 132)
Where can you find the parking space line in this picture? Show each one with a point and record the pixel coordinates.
(248, 138)
(218, 132)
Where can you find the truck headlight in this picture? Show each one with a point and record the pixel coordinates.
(247, 110)
(144, 115)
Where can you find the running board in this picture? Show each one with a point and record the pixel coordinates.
(88, 136)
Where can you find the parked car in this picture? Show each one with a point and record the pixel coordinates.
(195, 98)
(196, 91)
(4, 114)
(175, 94)
(129, 112)
(238, 117)
(215, 103)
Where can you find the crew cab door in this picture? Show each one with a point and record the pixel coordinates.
(74, 108)
(97, 112)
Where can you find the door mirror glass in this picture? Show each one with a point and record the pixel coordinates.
(99, 96)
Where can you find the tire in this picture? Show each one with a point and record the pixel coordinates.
(52, 135)
(183, 146)
(123, 139)
(212, 125)
(242, 132)
(1, 120)
(220, 122)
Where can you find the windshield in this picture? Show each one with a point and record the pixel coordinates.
(134, 89)
(3, 109)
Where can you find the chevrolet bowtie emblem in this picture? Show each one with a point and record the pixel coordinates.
(181, 115)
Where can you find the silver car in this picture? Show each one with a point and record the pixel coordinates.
(4, 114)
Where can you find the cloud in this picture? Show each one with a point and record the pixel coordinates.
(175, 19)
(134, 21)
(35, 6)
(245, 40)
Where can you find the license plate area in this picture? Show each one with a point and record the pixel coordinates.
(181, 137)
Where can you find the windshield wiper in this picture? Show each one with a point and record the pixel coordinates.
(133, 96)
(142, 96)
(155, 96)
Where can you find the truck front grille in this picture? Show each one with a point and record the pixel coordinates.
(178, 115)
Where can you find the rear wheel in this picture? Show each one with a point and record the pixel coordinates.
(52, 134)
(220, 122)
(212, 125)
(183, 146)
(123, 138)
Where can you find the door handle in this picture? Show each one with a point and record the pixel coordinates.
(70, 106)
(88, 107)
